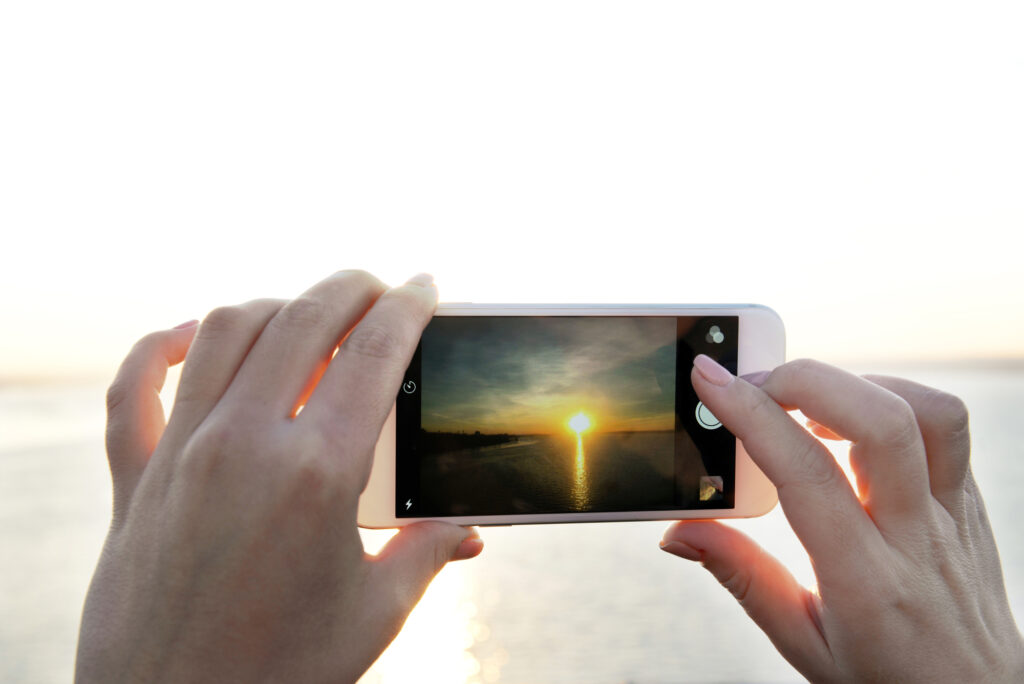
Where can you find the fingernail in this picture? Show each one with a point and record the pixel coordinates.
(469, 548)
(422, 279)
(186, 324)
(712, 371)
(756, 379)
(678, 548)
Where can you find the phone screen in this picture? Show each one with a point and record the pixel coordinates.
(505, 415)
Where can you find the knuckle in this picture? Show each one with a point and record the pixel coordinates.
(405, 295)
(414, 303)
(262, 309)
(310, 478)
(898, 427)
(797, 373)
(373, 341)
(132, 368)
(950, 424)
(800, 367)
(148, 342)
(818, 470)
(759, 407)
(223, 320)
(144, 348)
(211, 441)
(950, 413)
(302, 312)
(361, 279)
(738, 583)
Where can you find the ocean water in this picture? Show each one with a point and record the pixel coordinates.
(556, 603)
(550, 474)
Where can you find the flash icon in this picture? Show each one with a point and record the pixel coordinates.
(408, 504)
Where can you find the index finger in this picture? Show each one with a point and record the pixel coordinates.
(814, 493)
(887, 452)
(357, 390)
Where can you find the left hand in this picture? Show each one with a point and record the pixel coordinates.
(233, 555)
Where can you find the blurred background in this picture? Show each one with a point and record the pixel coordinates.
(857, 167)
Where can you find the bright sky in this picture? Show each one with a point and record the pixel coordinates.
(859, 166)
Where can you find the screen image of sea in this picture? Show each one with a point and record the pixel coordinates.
(546, 415)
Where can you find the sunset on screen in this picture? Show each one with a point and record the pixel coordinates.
(547, 413)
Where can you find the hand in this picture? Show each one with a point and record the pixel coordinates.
(233, 554)
(909, 582)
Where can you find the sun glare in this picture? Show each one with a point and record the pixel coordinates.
(579, 422)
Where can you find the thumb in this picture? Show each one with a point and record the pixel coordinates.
(135, 417)
(414, 556)
(784, 610)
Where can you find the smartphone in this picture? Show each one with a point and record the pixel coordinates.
(554, 413)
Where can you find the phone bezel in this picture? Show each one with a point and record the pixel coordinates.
(761, 347)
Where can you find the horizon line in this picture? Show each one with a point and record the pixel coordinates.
(15, 379)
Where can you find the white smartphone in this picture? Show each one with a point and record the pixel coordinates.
(554, 413)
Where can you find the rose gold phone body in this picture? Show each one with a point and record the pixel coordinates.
(761, 346)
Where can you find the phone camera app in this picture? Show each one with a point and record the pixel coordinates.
(515, 415)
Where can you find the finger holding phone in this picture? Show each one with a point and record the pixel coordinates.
(909, 581)
(233, 554)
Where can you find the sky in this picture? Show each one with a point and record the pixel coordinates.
(855, 166)
(530, 376)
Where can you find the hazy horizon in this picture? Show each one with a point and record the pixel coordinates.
(106, 375)
(101, 375)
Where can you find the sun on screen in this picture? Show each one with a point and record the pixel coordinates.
(579, 422)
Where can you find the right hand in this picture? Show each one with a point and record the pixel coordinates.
(909, 581)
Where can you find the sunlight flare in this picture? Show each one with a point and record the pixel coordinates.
(579, 422)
